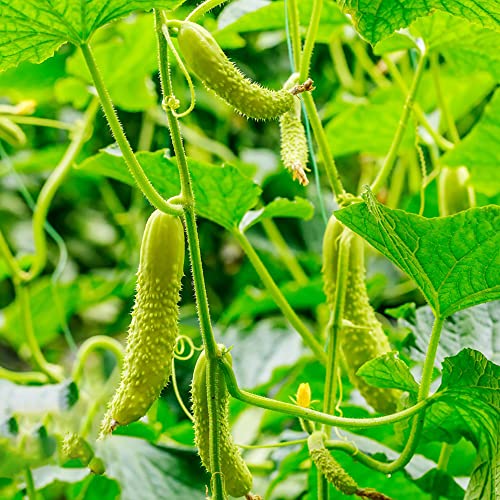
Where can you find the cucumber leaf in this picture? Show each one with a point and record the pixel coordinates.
(454, 260)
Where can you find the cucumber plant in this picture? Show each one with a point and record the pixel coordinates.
(386, 384)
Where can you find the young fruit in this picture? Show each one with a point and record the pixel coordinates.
(294, 152)
(208, 62)
(154, 326)
(75, 447)
(365, 339)
(237, 477)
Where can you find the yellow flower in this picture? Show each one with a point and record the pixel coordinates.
(304, 395)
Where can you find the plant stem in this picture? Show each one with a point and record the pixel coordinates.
(38, 122)
(443, 105)
(323, 145)
(116, 128)
(147, 132)
(340, 63)
(336, 326)
(390, 159)
(188, 202)
(367, 64)
(17, 273)
(92, 344)
(30, 484)
(203, 8)
(23, 377)
(313, 415)
(50, 188)
(312, 31)
(279, 298)
(284, 252)
(53, 372)
(443, 143)
(293, 18)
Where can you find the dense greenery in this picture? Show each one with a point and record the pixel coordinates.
(104, 117)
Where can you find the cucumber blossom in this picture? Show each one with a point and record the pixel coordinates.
(208, 62)
(294, 152)
(365, 339)
(154, 327)
(237, 477)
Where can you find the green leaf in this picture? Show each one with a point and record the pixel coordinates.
(377, 20)
(454, 260)
(466, 47)
(144, 470)
(32, 30)
(469, 406)
(368, 126)
(479, 150)
(129, 83)
(477, 327)
(389, 371)
(299, 208)
(223, 195)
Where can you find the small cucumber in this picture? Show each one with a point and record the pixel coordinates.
(208, 62)
(237, 478)
(366, 340)
(154, 328)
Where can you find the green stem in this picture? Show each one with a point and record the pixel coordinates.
(312, 31)
(38, 122)
(340, 63)
(203, 8)
(116, 128)
(417, 423)
(89, 346)
(284, 252)
(443, 105)
(443, 143)
(23, 377)
(279, 298)
(147, 132)
(196, 264)
(390, 159)
(313, 415)
(30, 484)
(336, 327)
(294, 24)
(17, 273)
(50, 188)
(53, 372)
(323, 145)
(283, 444)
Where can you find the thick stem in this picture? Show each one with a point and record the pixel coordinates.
(323, 145)
(279, 298)
(443, 460)
(284, 252)
(116, 128)
(312, 31)
(30, 484)
(390, 159)
(340, 63)
(371, 69)
(313, 415)
(188, 202)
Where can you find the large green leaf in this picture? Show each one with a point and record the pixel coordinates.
(479, 150)
(377, 20)
(223, 194)
(31, 30)
(469, 406)
(454, 260)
